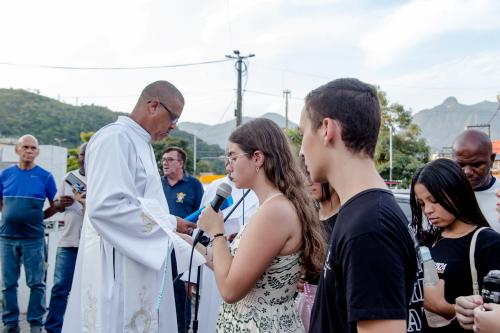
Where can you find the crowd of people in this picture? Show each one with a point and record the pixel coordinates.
(309, 243)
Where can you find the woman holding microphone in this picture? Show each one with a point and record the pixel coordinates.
(257, 275)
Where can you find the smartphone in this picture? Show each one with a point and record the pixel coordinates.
(75, 183)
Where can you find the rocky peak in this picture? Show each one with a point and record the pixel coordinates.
(450, 102)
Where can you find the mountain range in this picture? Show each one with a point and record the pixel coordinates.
(439, 125)
(57, 123)
(218, 134)
(442, 123)
(24, 112)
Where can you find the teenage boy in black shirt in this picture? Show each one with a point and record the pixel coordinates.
(370, 281)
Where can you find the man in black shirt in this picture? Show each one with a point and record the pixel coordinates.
(371, 277)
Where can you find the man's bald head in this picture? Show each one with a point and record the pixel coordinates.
(475, 138)
(27, 138)
(472, 149)
(163, 90)
(27, 149)
(158, 109)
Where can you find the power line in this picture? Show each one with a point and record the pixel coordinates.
(227, 108)
(496, 111)
(271, 94)
(199, 92)
(284, 70)
(99, 68)
(262, 93)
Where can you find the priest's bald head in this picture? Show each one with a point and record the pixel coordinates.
(158, 109)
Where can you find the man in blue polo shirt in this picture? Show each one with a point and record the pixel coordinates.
(23, 190)
(183, 193)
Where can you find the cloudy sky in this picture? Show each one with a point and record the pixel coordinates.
(418, 51)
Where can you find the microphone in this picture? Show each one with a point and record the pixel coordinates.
(223, 191)
(193, 217)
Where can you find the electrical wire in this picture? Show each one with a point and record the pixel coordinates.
(3, 63)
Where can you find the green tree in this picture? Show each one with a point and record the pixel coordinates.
(204, 166)
(72, 160)
(409, 151)
(295, 138)
(85, 136)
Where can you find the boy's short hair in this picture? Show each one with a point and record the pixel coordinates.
(355, 105)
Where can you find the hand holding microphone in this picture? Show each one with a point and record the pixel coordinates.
(211, 220)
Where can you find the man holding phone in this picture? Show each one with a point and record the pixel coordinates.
(68, 247)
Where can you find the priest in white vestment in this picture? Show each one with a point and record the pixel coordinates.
(122, 280)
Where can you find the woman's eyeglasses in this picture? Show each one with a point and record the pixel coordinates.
(231, 159)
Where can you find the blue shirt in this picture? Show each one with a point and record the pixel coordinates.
(23, 193)
(184, 197)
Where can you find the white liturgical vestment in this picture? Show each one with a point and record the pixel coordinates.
(121, 261)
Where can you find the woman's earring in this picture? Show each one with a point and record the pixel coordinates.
(257, 169)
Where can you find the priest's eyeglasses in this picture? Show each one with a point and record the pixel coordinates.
(173, 117)
(231, 159)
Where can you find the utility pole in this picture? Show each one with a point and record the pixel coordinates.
(239, 93)
(286, 94)
(390, 152)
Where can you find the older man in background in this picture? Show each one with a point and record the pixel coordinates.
(472, 150)
(24, 187)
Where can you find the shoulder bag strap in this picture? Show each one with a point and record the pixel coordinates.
(473, 271)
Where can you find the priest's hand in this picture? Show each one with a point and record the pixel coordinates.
(185, 227)
(211, 222)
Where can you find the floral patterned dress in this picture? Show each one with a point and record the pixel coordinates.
(269, 306)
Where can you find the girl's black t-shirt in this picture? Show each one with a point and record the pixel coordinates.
(451, 256)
